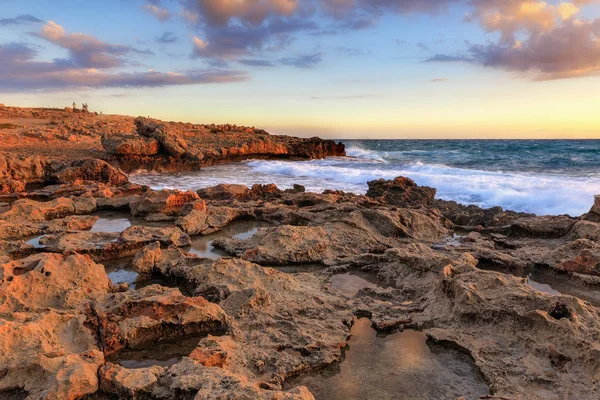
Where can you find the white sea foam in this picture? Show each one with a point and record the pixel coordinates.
(364, 154)
(528, 192)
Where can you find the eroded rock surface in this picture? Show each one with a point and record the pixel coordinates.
(243, 329)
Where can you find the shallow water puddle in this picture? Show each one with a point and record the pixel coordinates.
(351, 283)
(397, 366)
(451, 241)
(241, 229)
(120, 271)
(112, 221)
(118, 221)
(35, 242)
(551, 282)
(164, 354)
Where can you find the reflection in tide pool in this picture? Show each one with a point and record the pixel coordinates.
(397, 366)
(118, 221)
(120, 271)
(112, 221)
(35, 242)
(241, 229)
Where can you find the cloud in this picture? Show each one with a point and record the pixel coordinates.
(236, 41)
(439, 80)
(303, 61)
(257, 63)
(20, 72)
(85, 50)
(448, 58)
(162, 14)
(21, 19)
(248, 12)
(537, 39)
(167, 38)
(570, 50)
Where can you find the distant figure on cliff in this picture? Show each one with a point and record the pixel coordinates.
(84, 107)
(74, 107)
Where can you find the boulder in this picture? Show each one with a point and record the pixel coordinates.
(226, 192)
(90, 169)
(547, 227)
(208, 220)
(135, 319)
(169, 202)
(403, 192)
(594, 214)
(171, 142)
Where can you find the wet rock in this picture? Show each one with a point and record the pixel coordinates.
(594, 214)
(91, 170)
(402, 192)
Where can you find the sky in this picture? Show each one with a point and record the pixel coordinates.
(333, 68)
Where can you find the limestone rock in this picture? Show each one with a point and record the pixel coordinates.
(168, 202)
(130, 145)
(91, 170)
(134, 319)
(401, 192)
(50, 281)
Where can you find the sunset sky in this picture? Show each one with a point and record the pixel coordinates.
(334, 68)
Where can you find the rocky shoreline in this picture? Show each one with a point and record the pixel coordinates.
(39, 143)
(244, 325)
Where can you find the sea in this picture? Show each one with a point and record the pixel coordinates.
(545, 177)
